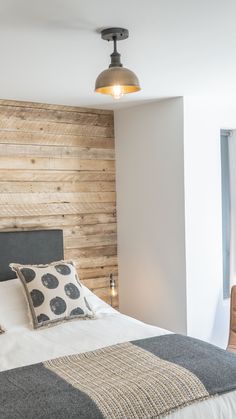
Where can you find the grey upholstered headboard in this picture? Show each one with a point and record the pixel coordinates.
(29, 247)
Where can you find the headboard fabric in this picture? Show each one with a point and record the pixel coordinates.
(29, 247)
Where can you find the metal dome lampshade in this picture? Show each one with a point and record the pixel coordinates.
(116, 80)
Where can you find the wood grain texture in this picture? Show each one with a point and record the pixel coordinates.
(61, 208)
(72, 176)
(36, 105)
(54, 197)
(50, 221)
(55, 127)
(57, 170)
(56, 151)
(39, 187)
(38, 138)
(55, 163)
(54, 115)
(90, 273)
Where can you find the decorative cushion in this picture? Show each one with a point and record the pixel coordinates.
(53, 291)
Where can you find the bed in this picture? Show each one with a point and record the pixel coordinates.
(22, 350)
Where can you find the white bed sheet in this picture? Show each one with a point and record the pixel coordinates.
(22, 346)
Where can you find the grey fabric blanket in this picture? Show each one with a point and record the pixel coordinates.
(146, 378)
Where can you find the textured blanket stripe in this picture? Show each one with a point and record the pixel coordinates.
(126, 381)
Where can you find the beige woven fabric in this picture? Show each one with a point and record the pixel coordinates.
(126, 381)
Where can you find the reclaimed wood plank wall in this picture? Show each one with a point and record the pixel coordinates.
(57, 170)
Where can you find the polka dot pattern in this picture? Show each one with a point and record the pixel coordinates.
(77, 311)
(58, 305)
(72, 291)
(37, 298)
(50, 281)
(54, 292)
(63, 269)
(29, 274)
(42, 318)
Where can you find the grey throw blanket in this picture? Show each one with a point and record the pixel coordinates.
(146, 378)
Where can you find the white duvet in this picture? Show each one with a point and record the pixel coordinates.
(21, 345)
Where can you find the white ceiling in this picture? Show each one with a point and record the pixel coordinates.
(50, 50)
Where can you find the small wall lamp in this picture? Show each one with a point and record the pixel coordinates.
(116, 80)
(113, 288)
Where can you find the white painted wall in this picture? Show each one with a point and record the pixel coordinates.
(207, 312)
(164, 173)
(232, 182)
(150, 204)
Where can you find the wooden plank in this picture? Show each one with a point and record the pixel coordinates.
(83, 263)
(72, 117)
(92, 252)
(48, 198)
(105, 296)
(35, 151)
(72, 176)
(54, 221)
(57, 170)
(55, 128)
(103, 293)
(67, 108)
(30, 138)
(35, 187)
(107, 300)
(24, 210)
(45, 163)
(100, 282)
(90, 241)
(86, 273)
(85, 230)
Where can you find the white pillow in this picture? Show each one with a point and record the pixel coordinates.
(13, 307)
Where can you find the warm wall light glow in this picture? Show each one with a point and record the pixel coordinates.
(113, 288)
(117, 92)
(113, 292)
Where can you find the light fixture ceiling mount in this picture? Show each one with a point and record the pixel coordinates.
(116, 80)
(118, 33)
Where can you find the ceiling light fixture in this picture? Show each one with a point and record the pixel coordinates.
(116, 80)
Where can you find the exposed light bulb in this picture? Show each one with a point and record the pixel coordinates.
(113, 288)
(117, 92)
(113, 292)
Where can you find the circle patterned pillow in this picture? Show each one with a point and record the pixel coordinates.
(54, 292)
